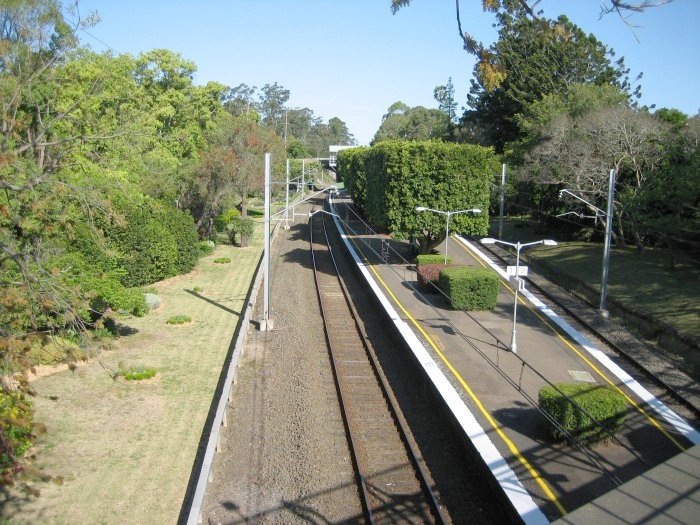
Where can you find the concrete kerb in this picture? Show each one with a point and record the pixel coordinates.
(195, 513)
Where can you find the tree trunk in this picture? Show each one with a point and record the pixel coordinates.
(620, 237)
(244, 216)
(426, 243)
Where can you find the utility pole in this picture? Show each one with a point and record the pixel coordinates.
(286, 200)
(606, 249)
(503, 201)
(608, 232)
(266, 323)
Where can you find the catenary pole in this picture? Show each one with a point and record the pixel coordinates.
(606, 248)
(266, 323)
(286, 200)
(503, 201)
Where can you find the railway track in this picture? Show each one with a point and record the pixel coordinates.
(392, 482)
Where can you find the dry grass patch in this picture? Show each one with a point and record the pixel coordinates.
(125, 448)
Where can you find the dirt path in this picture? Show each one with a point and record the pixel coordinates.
(125, 448)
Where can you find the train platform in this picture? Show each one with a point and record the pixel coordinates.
(668, 493)
(492, 392)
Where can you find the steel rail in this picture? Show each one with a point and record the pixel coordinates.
(386, 391)
(388, 394)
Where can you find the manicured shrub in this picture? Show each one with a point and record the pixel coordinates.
(198, 289)
(606, 405)
(429, 275)
(222, 260)
(402, 175)
(206, 248)
(432, 258)
(156, 241)
(351, 170)
(241, 227)
(179, 319)
(108, 292)
(184, 232)
(138, 374)
(16, 421)
(470, 288)
(153, 301)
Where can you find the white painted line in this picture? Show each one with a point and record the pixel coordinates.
(678, 422)
(521, 500)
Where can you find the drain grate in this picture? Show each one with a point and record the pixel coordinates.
(580, 375)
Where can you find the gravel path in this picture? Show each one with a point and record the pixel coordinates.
(284, 456)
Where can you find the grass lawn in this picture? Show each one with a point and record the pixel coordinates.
(643, 281)
(126, 448)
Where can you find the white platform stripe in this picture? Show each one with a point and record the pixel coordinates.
(521, 500)
(678, 422)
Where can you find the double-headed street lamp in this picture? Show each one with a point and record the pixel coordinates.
(448, 214)
(518, 246)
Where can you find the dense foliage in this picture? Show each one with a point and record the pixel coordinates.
(112, 170)
(402, 175)
(417, 123)
(351, 170)
(470, 288)
(607, 406)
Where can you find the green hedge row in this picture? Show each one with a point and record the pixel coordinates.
(470, 288)
(432, 258)
(390, 179)
(351, 171)
(606, 405)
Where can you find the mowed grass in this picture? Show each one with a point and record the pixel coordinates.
(643, 281)
(126, 448)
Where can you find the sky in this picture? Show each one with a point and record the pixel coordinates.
(352, 59)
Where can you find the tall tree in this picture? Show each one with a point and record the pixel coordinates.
(272, 101)
(492, 73)
(417, 123)
(445, 96)
(536, 67)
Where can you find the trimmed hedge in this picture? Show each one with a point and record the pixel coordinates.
(606, 405)
(470, 288)
(430, 274)
(351, 171)
(402, 175)
(432, 258)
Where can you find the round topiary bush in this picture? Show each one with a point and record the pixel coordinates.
(222, 260)
(606, 405)
(153, 301)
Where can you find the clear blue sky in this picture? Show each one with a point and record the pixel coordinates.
(353, 58)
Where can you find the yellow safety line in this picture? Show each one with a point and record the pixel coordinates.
(641, 410)
(511, 446)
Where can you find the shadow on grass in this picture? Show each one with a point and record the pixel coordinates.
(219, 305)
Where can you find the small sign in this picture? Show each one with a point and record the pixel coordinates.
(522, 271)
(521, 284)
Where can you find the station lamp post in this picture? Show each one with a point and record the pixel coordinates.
(448, 214)
(518, 246)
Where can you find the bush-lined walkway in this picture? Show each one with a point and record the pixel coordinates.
(126, 448)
